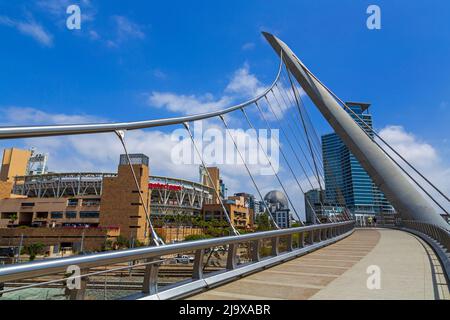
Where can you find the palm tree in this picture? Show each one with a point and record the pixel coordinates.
(12, 218)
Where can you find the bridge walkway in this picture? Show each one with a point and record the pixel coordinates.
(408, 267)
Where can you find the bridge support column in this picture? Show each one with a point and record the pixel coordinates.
(400, 192)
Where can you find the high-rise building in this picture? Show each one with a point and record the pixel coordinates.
(346, 182)
(317, 209)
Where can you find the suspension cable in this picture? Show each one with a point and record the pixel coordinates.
(186, 125)
(248, 170)
(306, 132)
(296, 125)
(298, 143)
(287, 162)
(340, 200)
(304, 155)
(156, 239)
(321, 190)
(288, 94)
(387, 153)
(379, 137)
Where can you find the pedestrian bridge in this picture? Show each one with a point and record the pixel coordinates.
(326, 258)
(408, 269)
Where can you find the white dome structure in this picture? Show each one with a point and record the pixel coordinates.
(277, 198)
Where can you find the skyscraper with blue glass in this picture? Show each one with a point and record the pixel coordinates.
(346, 182)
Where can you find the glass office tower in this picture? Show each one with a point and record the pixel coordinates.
(346, 182)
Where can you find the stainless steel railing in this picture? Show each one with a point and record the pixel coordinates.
(437, 233)
(308, 238)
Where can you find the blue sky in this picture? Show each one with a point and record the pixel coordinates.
(127, 51)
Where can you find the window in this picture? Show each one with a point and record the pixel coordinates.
(91, 202)
(89, 214)
(8, 215)
(56, 215)
(72, 202)
(71, 214)
(41, 215)
(27, 204)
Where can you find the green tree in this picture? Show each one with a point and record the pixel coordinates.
(13, 218)
(195, 237)
(122, 242)
(33, 250)
(263, 222)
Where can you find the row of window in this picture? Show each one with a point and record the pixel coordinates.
(85, 202)
(68, 215)
(70, 203)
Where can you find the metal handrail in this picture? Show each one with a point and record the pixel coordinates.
(438, 233)
(69, 129)
(53, 266)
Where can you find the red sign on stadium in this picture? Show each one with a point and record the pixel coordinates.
(164, 186)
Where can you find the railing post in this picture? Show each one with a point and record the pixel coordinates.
(254, 248)
(318, 235)
(150, 285)
(197, 271)
(80, 293)
(301, 240)
(231, 258)
(275, 242)
(290, 245)
(325, 234)
(311, 237)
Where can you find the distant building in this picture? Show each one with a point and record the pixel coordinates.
(210, 176)
(237, 209)
(63, 209)
(312, 204)
(37, 164)
(346, 182)
(316, 207)
(279, 208)
(14, 163)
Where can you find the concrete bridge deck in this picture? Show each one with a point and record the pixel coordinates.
(409, 269)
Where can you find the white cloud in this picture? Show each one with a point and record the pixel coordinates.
(57, 9)
(187, 104)
(423, 156)
(14, 115)
(409, 146)
(29, 28)
(248, 46)
(125, 30)
(243, 85)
